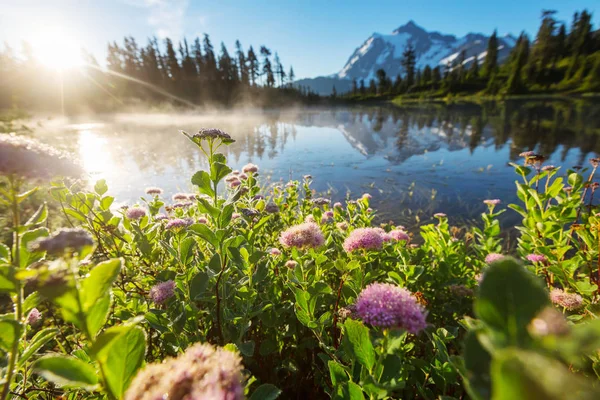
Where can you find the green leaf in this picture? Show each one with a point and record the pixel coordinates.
(198, 285)
(26, 256)
(99, 281)
(205, 233)
(355, 392)
(247, 348)
(97, 314)
(4, 252)
(10, 331)
(266, 392)
(527, 375)
(121, 350)
(337, 373)
(8, 283)
(202, 180)
(101, 187)
(66, 371)
(39, 216)
(39, 340)
(509, 298)
(477, 363)
(359, 343)
(218, 171)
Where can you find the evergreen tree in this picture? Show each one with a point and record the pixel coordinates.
(333, 92)
(362, 88)
(473, 73)
(291, 76)
(490, 64)
(427, 75)
(398, 84)
(354, 87)
(381, 81)
(173, 67)
(408, 63)
(198, 57)
(241, 63)
(252, 66)
(560, 43)
(436, 75)
(280, 72)
(543, 50)
(372, 87)
(460, 67)
(515, 83)
(267, 70)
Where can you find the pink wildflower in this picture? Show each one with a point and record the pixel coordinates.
(390, 306)
(305, 235)
(364, 238)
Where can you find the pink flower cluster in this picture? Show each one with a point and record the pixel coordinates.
(163, 291)
(305, 235)
(250, 168)
(493, 257)
(390, 306)
(365, 239)
(154, 191)
(34, 316)
(570, 301)
(536, 257)
(202, 372)
(399, 234)
(135, 213)
(492, 202)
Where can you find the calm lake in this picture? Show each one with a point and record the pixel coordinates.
(415, 160)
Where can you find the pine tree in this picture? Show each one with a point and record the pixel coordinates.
(291, 76)
(198, 58)
(490, 64)
(354, 87)
(544, 47)
(515, 83)
(252, 66)
(173, 67)
(333, 92)
(372, 87)
(436, 75)
(408, 63)
(473, 73)
(427, 75)
(267, 70)
(361, 87)
(381, 80)
(280, 72)
(398, 84)
(592, 81)
(460, 66)
(241, 63)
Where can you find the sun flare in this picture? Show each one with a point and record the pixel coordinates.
(56, 49)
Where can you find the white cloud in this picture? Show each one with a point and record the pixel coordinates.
(166, 17)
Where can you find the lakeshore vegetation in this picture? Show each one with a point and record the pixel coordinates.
(237, 290)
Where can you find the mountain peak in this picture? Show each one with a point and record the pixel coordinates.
(410, 27)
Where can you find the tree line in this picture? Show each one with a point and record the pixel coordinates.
(559, 59)
(193, 73)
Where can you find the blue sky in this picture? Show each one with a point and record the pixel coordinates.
(316, 37)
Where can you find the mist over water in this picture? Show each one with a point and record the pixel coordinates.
(415, 161)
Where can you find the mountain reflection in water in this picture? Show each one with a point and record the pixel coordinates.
(414, 160)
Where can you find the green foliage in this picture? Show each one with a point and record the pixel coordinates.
(216, 271)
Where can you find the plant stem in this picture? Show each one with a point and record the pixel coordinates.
(14, 351)
(335, 314)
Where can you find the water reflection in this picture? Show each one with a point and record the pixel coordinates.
(415, 160)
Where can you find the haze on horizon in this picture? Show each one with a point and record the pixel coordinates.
(314, 37)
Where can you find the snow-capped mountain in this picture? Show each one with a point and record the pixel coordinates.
(385, 52)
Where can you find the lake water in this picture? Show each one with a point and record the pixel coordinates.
(415, 160)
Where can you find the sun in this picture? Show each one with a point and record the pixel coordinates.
(56, 49)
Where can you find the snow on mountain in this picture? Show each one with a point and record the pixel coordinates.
(385, 52)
